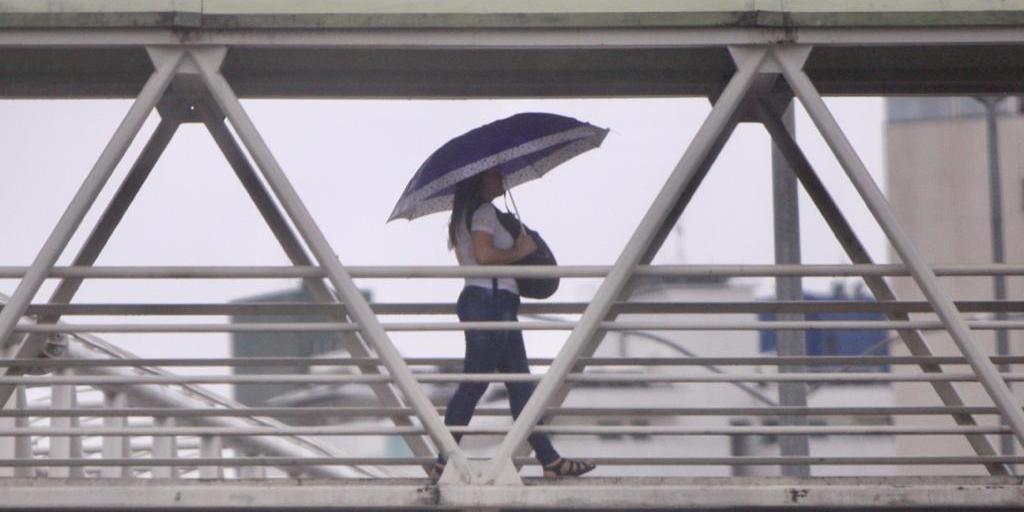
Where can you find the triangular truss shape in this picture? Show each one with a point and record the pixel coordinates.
(202, 95)
(743, 98)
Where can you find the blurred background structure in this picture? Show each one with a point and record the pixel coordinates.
(883, 378)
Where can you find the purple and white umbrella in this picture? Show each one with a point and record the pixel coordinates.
(522, 147)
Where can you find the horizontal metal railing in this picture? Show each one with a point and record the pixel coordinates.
(439, 272)
(666, 371)
(776, 325)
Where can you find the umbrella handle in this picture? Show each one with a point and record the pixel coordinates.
(508, 196)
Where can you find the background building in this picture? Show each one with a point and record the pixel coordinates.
(938, 183)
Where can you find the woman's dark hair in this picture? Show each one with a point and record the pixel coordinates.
(467, 200)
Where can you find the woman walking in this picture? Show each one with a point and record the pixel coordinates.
(478, 238)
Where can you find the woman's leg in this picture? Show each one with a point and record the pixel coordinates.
(514, 361)
(483, 352)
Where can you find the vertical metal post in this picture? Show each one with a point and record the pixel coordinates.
(791, 60)
(748, 63)
(995, 194)
(210, 447)
(298, 256)
(16, 447)
(254, 472)
(739, 446)
(80, 204)
(116, 447)
(63, 396)
(165, 447)
(880, 289)
(8, 444)
(208, 62)
(22, 444)
(789, 288)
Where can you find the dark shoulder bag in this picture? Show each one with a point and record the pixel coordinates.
(538, 287)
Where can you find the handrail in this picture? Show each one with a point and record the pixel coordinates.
(446, 271)
(618, 325)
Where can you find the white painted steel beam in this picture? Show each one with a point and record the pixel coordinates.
(165, 447)
(484, 430)
(626, 377)
(634, 362)
(565, 271)
(547, 325)
(16, 448)
(210, 447)
(115, 447)
(261, 463)
(67, 446)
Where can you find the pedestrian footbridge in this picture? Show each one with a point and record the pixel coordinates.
(90, 425)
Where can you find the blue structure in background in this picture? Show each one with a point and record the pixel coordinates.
(832, 342)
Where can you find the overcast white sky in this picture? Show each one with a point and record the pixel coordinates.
(349, 160)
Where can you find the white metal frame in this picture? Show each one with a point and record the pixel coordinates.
(200, 65)
(787, 60)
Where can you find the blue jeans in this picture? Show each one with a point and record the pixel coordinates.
(493, 352)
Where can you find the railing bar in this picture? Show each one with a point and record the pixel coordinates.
(410, 461)
(430, 308)
(502, 377)
(501, 430)
(441, 361)
(565, 271)
(416, 461)
(563, 411)
(619, 325)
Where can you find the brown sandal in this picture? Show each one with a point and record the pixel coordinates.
(567, 467)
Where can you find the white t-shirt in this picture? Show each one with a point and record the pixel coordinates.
(485, 219)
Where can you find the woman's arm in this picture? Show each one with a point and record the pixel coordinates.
(486, 253)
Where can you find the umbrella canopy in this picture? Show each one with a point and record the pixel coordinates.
(522, 147)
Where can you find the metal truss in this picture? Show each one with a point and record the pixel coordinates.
(188, 86)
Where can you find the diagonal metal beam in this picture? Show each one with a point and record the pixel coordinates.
(80, 204)
(108, 221)
(297, 254)
(791, 61)
(208, 61)
(659, 240)
(583, 336)
(660, 236)
(858, 254)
